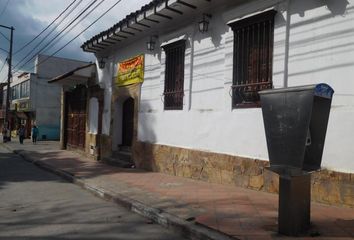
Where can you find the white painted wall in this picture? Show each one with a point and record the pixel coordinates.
(105, 81)
(321, 50)
(45, 102)
(93, 115)
(207, 121)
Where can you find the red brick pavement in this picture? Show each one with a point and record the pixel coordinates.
(242, 213)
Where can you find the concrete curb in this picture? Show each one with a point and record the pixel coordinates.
(187, 229)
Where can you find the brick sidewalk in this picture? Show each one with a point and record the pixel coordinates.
(237, 212)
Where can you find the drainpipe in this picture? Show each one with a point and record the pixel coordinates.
(287, 39)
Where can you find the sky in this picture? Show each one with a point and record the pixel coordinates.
(30, 17)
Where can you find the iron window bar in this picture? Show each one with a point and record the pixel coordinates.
(173, 100)
(174, 76)
(253, 58)
(246, 95)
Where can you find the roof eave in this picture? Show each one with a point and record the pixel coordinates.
(137, 22)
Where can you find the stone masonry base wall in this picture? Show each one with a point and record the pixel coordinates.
(328, 187)
(105, 146)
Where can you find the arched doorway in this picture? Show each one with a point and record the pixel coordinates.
(128, 122)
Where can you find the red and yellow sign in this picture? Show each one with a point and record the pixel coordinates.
(131, 71)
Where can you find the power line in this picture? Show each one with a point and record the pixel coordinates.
(4, 36)
(28, 43)
(109, 9)
(7, 3)
(48, 34)
(38, 52)
(61, 37)
(4, 50)
(46, 45)
(3, 65)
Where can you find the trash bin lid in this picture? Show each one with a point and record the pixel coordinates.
(324, 90)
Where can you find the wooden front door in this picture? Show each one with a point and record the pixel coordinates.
(76, 117)
(128, 122)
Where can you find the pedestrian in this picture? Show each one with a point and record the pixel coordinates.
(4, 134)
(21, 133)
(35, 133)
(8, 135)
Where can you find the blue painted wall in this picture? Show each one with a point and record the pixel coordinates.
(47, 132)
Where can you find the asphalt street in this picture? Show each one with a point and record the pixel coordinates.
(35, 204)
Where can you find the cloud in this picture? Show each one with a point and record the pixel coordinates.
(29, 17)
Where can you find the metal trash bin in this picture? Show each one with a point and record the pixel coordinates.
(295, 122)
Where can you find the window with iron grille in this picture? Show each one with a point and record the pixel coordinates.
(174, 75)
(253, 58)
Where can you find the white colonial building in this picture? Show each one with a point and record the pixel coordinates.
(194, 110)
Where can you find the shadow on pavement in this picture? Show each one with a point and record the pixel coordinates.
(14, 169)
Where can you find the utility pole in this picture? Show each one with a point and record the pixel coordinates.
(9, 75)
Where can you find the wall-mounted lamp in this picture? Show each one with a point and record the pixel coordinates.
(204, 23)
(150, 45)
(101, 63)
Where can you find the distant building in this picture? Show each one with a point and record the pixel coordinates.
(81, 95)
(34, 101)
